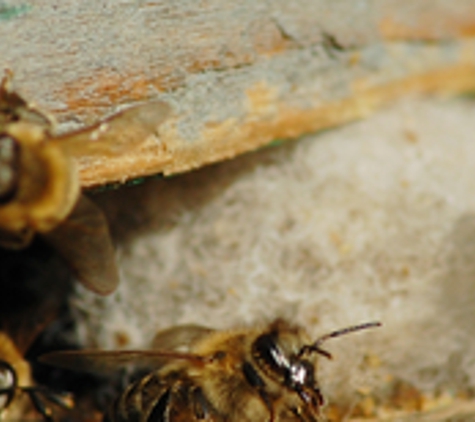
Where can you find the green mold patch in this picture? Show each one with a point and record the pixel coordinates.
(118, 185)
(275, 143)
(8, 12)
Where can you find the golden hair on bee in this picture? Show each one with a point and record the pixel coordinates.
(199, 374)
(13, 395)
(18, 394)
(39, 185)
(39, 181)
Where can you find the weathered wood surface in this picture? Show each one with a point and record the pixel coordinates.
(237, 75)
(459, 411)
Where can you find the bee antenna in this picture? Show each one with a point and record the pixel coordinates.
(315, 347)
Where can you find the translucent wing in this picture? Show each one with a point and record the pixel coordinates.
(109, 362)
(117, 134)
(83, 240)
(179, 337)
(166, 344)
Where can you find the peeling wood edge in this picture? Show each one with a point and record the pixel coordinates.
(171, 157)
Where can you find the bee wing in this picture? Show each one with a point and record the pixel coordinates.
(83, 240)
(117, 134)
(180, 336)
(108, 362)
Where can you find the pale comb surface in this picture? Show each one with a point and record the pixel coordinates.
(371, 221)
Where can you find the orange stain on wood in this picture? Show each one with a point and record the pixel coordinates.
(262, 99)
(267, 118)
(103, 89)
(426, 30)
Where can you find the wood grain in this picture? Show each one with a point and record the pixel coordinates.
(237, 75)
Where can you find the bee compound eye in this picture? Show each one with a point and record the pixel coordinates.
(269, 357)
(8, 384)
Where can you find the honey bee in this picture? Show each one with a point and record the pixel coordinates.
(200, 374)
(40, 187)
(18, 393)
(38, 184)
(10, 388)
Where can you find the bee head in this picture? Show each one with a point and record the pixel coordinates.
(280, 354)
(277, 352)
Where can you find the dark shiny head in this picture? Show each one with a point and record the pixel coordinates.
(277, 354)
(281, 355)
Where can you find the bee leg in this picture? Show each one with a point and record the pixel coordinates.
(312, 348)
(268, 403)
(201, 406)
(64, 400)
(254, 379)
(161, 410)
(320, 399)
(303, 415)
(39, 405)
(8, 393)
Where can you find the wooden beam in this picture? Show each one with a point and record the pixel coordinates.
(236, 75)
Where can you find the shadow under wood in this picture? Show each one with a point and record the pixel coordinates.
(156, 205)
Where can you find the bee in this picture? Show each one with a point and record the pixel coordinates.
(34, 286)
(243, 375)
(10, 389)
(40, 187)
(18, 393)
